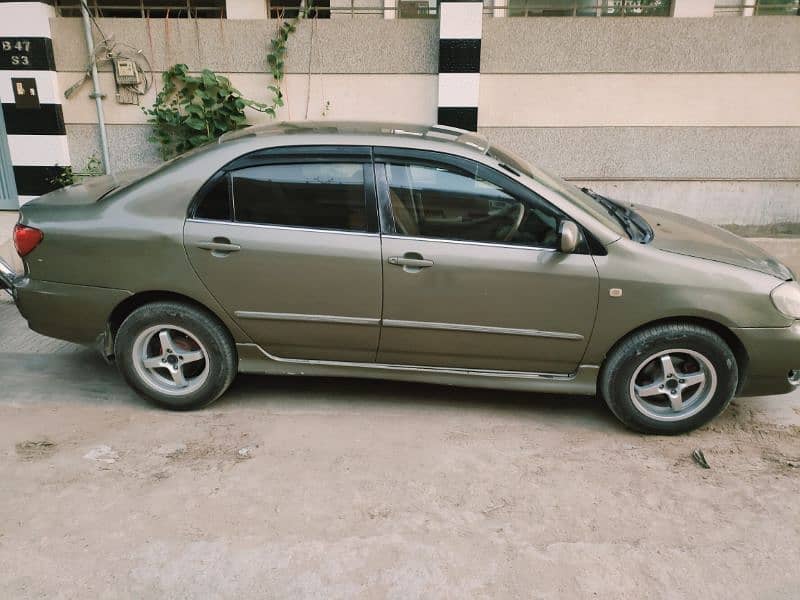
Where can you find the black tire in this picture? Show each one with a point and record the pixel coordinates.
(634, 351)
(217, 368)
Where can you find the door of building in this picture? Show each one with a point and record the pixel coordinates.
(8, 188)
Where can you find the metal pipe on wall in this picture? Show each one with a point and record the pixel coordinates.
(96, 93)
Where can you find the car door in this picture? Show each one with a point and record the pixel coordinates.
(287, 242)
(472, 278)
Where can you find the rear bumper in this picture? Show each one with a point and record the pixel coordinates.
(773, 352)
(76, 313)
(8, 278)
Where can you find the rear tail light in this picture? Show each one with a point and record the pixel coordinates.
(26, 238)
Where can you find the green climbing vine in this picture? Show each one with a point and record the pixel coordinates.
(69, 176)
(276, 56)
(192, 111)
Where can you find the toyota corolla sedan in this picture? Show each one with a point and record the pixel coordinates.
(417, 253)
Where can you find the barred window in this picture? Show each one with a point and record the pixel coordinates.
(290, 9)
(589, 8)
(142, 9)
(761, 8)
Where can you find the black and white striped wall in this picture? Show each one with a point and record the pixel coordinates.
(31, 100)
(460, 26)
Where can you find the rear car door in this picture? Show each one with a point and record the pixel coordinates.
(287, 241)
(472, 277)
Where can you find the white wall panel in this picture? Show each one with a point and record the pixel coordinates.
(25, 19)
(39, 150)
(636, 99)
(405, 98)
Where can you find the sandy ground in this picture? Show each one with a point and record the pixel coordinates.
(302, 488)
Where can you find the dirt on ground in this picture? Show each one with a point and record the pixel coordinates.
(324, 488)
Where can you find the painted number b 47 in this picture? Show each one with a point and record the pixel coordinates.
(19, 51)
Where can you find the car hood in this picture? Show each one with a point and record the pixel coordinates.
(682, 235)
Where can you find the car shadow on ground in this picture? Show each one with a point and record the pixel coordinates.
(331, 394)
(82, 377)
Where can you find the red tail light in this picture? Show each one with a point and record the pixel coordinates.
(26, 238)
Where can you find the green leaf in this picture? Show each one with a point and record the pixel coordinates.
(199, 140)
(208, 78)
(195, 123)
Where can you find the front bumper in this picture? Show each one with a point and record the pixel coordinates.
(8, 278)
(773, 353)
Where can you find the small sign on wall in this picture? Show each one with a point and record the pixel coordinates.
(25, 93)
(27, 54)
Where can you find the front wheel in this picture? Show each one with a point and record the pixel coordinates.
(175, 355)
(669, 379)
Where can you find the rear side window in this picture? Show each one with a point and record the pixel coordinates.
(215, 202)
(313, 195)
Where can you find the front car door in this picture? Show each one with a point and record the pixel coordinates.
(472, 278)
(287, 241)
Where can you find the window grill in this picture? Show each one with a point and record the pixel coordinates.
(759, 8)
(289, 9)
(153, 9)
(586, 8)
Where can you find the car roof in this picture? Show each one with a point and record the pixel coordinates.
(388, 131)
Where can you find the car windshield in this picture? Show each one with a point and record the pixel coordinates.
(585, 201)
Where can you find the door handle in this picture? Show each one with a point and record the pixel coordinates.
(412, 262)
(402, 261)
(219, 246)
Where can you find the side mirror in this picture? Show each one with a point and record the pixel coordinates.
(568, 237)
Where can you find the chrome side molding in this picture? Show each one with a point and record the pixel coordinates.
(272, 316)
(481, 329)
(335, 319)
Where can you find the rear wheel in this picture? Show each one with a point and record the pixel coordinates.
(669, 379)
(175, 355)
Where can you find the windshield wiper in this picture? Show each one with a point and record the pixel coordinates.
(634, 225)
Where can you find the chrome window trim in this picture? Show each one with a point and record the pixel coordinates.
(273, 316)
(418, 368)
(481, 329)
(466, 242)
(284, 227)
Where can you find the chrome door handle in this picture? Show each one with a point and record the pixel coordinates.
(414, 263)
(220, 245)
(419, 263)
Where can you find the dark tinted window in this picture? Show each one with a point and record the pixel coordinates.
(317, 195)
(440, 202)
(215, 203)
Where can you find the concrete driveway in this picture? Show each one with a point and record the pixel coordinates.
(303, 488)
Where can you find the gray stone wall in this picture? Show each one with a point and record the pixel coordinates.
(338, 46)
(643, 45)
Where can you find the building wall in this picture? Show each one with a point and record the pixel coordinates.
(699, 115)
(34, 145)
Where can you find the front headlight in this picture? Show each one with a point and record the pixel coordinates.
(786, 298)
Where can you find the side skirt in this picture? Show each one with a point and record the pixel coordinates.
(253, 359)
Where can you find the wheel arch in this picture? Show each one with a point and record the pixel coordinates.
(728, 336)
(139, 299)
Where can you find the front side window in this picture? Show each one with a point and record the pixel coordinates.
(311, 195)
(448, 203)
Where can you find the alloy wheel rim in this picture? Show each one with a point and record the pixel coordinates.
(170, 359)
(673, 385)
